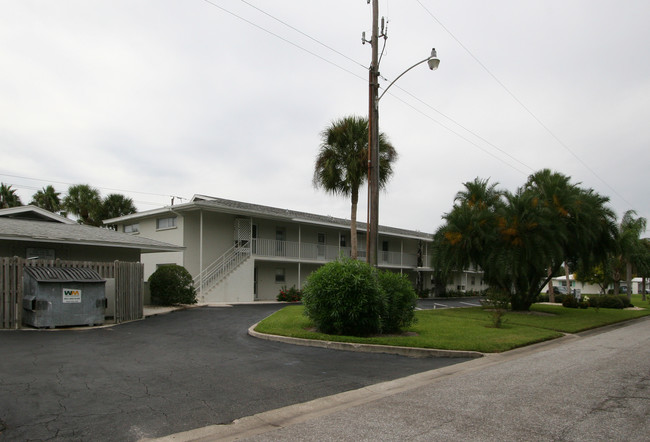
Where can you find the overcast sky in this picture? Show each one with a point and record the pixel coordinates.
(165, 98)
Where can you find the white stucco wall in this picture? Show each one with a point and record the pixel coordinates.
(237, 287)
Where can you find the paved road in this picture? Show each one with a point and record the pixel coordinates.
(437, 303)
(168, 374)
(590, 387)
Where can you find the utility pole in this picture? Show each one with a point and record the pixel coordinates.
(373, 142)
(372, 228)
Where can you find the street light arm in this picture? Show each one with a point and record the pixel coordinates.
(433, 56)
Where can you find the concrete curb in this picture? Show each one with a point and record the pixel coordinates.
(368, 348)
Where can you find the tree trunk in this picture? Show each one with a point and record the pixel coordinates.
(551, 291)
(628, 279)
(353, 224)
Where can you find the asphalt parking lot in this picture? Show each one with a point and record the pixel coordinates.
(169, 373)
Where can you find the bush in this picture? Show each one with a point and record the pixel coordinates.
(570, 301)
(498, 303)
(289, 295)
(400, 301)
(344, 297)
(172, 284)
(608, 301)
(626, 302)
(349, 297)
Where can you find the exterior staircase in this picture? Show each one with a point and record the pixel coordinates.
(221, 268)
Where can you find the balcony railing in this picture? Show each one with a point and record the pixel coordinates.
(322, 253)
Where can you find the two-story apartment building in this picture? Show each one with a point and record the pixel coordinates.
(239, 252)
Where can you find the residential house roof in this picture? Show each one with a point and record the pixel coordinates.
(29, 223)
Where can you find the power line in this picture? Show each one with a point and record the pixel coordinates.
(304, 34)
(500, 83)
(283, 39)
(467, 139)
(23, 186)
(462, 127)
(364, 79)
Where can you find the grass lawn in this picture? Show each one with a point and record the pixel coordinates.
(465, 328)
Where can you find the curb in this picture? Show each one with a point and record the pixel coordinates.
(410, 352)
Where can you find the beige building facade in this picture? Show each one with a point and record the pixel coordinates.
(240, 252)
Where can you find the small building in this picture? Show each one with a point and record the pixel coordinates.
(31, 236)
(239, 251)
(33, 233)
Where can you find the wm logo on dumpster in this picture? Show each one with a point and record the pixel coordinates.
(71, 295)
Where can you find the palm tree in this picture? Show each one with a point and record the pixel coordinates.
(630, 248)
(83, 201)
(585, 224)
(514, 237)
(342, 163)
(8, 197)
(115, 205)
(47, 198)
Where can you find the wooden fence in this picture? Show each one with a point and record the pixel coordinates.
(129, 286)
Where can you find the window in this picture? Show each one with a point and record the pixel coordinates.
(166, 223)
(473, 280)
(342, 241)
(279, 275)
(132, 228)
(33, 253)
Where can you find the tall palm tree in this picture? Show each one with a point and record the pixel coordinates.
(47, 198)
(8, 197)
(83, 201)
(342, 163)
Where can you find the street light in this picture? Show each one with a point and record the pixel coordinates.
(432, 60)
(373, 142)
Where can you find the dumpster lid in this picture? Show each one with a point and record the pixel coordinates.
(58, 274)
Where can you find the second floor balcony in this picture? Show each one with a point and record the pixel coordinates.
(321, 253)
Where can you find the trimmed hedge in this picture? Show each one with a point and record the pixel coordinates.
(610, 301)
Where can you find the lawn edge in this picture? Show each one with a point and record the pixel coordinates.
(413, 352)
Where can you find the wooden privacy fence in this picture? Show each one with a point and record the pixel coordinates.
(129, 286)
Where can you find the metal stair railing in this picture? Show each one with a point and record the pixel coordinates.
(221, 267)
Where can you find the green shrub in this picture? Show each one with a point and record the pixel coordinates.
(289, 295)
(570, 302)
(400, 301)
(171, 284)
(607, 301)
(497, 303)
(344, 297)
(626, 302)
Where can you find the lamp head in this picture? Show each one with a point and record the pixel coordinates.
(433, 60)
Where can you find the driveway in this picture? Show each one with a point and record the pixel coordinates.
(168, 374)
